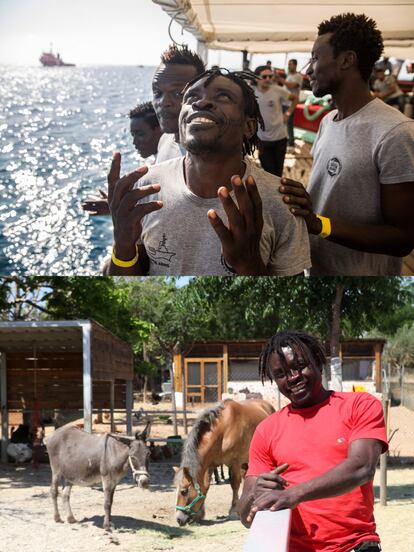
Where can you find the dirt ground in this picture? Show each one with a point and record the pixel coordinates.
(144, 520)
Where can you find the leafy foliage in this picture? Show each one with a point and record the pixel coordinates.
(179, 316)
(400, 347)
(248, 307)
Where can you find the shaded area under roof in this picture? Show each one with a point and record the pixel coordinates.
(271, 26)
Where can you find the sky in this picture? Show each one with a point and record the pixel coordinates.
(96, 32)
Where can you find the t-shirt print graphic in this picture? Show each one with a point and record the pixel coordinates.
(161, 256)
(334, 166)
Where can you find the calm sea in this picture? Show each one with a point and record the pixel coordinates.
(58, 129)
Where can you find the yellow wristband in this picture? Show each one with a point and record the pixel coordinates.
(326, 226)
(124, 264)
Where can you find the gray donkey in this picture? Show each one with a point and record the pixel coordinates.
(81, 458)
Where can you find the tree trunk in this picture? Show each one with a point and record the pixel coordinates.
(145, 358)
(173, 405)
(145, 389)
(336, 362)
(185, 422)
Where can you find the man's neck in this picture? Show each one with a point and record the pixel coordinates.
(205, 174)
(263, 90)
(321, 397)
(351, 97)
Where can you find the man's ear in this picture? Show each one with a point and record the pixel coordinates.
(349, 59)
(250, 127)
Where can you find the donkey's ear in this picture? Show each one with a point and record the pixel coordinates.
(143, 436)
(122, 438)
(176, 469)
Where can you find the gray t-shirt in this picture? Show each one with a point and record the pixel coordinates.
(352, 158)
(386, 85)
(270, 103)
(180, 240)
(168, 148)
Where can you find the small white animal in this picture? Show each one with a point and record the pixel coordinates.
(20, 452)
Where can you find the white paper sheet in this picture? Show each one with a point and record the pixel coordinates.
(269, 532)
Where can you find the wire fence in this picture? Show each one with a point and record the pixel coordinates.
(401, 385)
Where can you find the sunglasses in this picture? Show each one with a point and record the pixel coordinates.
(267, 76)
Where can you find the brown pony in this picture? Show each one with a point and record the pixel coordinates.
(220, 435)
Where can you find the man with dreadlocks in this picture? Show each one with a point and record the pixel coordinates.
(326, 443)
(359, 204)
(218, 122)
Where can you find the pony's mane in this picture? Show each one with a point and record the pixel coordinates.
(190, 458)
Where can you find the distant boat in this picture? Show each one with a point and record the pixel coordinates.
(49, 59)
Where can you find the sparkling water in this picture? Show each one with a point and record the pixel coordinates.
(58, 129)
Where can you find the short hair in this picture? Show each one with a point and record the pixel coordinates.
(181, 55)
(358, 33)
(251, 107)
(310, 347)
(145, 111)
(294, 61)
(261, 68)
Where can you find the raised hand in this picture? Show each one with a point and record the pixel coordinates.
(300, 203)
(270, 493)
(240, 241)
(97, 205)
(274, 500)
(270, 481)
(126, 212)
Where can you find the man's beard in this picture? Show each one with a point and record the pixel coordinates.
(197, 147)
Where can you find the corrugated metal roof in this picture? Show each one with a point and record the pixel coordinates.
(42, 336)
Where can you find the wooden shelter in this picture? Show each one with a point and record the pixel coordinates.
(63, 365)
(204, 373)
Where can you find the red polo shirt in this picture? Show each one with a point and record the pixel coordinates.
(312, 441)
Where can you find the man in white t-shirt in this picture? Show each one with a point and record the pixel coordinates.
(212, 212)
(386, 89)
(273, 138)
(359, 204)
(293, 83)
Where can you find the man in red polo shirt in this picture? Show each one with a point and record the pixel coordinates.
(327, 444)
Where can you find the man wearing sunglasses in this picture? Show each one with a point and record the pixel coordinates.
(273, 139)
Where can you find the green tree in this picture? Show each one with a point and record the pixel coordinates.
(403, 314)
(257, 307)
(179, 316)
(22, 298)
(400, 347)
(399, 354)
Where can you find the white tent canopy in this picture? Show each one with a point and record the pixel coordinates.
(270, 26)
